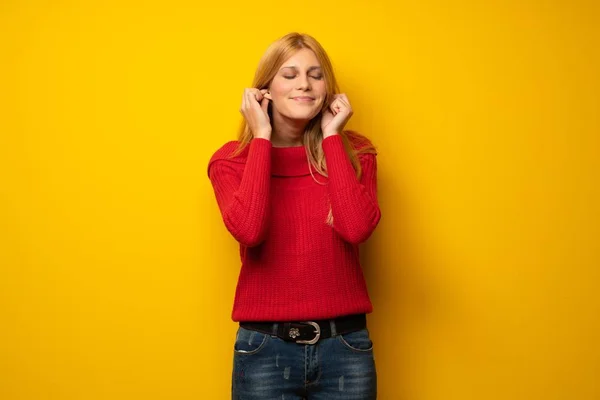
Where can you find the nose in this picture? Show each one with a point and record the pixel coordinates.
(303, 83)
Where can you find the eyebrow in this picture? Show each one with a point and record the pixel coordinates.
(309, 69)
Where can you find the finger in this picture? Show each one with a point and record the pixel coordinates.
(255, 94)
(336, 106)
(346, 105)
(343, 98)
(249, 96)
(243, 106)
(253, 102)
(265, 104)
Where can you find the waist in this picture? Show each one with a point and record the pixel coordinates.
(308, 332)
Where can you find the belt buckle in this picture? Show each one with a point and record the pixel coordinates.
(317, 336)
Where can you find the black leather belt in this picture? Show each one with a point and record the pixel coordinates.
(309, 332)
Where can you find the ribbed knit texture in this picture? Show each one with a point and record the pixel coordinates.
(294, 265)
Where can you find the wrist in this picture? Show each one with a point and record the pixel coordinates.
(329, 134)
(263, 135)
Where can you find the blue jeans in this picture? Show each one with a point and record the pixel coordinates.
(265, 367)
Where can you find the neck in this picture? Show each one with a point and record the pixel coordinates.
(287, 132)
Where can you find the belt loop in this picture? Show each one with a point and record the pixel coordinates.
(332, 326)
(274, 331)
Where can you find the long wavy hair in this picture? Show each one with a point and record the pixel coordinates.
(275, 55)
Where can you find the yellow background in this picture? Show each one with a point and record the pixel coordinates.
(117, 275)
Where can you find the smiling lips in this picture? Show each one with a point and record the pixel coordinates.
(303, 99)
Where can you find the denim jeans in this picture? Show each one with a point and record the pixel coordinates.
(265, 367)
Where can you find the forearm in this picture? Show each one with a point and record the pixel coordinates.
(354, 204)
(244, 202)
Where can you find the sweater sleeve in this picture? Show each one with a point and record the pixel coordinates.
(243, 198)
(353, 203)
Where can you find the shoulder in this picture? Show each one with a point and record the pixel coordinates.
(225, 153)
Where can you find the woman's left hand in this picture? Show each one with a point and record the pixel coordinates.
(336, 116)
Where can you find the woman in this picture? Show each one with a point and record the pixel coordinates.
(299, 194)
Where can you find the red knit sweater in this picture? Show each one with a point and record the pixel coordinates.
(294, 265)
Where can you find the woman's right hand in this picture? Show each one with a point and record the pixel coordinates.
(256, 114)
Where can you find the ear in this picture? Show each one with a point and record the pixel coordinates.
(268, 96)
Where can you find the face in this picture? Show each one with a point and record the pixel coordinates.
(298, 89)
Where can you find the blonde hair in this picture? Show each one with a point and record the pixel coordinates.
(276, 54)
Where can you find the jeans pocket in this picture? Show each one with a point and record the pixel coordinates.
(249, 342)
(359, 341)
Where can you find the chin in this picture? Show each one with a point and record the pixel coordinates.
(303, 115)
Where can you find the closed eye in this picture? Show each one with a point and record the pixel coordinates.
(314, 77)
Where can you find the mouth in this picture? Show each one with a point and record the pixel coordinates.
(303, 99)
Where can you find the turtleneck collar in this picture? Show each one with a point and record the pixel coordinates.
(289, 161)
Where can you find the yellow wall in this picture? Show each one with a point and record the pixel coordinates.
(117, 275)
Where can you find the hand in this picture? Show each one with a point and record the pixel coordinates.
(336, 116)
(255, 114)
